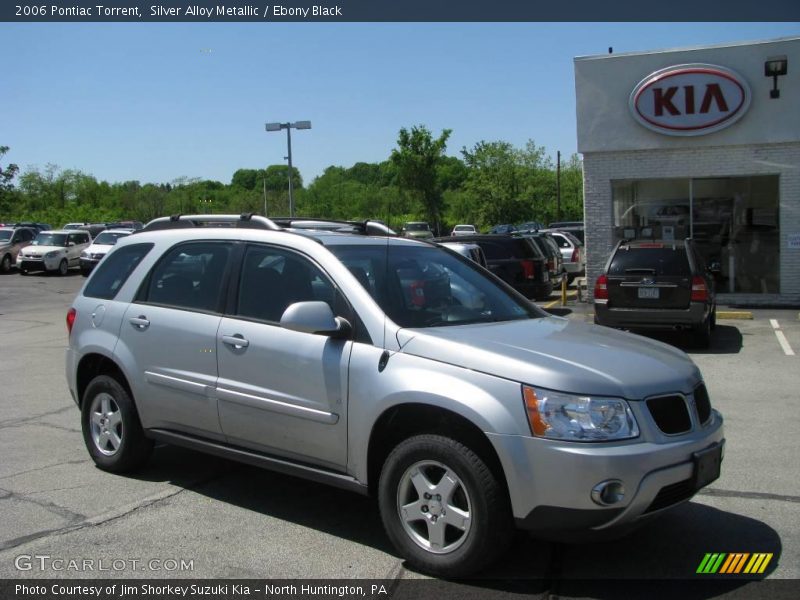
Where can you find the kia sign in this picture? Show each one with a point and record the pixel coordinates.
(691, 99)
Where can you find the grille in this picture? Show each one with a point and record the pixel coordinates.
(702, 403)
(672, 494)
(670, 414)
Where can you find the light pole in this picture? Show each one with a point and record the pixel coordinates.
(288, 127)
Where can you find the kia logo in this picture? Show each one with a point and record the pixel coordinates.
(691, 99)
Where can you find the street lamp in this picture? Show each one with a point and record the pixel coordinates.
(288, 127)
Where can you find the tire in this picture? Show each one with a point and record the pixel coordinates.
(111, 428)
(63, 267)
(701, 336)
(23, 271)
(570, 279)
(5, 264)
(478, 525)
(713, 318)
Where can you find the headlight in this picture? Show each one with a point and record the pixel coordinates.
(52, 254)
(578, 418)
(84, 254)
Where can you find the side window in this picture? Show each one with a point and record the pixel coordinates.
(113, 272)
(27, 235)
(272, 279)
(189, 276)
(561, 241)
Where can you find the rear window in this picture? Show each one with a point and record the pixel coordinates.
(114, 270)
(509, 248)
(655, 261)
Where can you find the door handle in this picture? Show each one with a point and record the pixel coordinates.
(236, 340)
(141, 323)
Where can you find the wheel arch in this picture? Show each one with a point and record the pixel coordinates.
(93, 365)
(402, 421)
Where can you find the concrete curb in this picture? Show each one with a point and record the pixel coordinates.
(734, 314)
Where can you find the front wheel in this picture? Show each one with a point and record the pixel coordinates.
(63, 267)
(443, 508)
(5, 265)
(111, 428)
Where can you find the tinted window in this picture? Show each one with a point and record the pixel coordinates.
(5, 235)
(657, 260)
(427, 287)
(27, 235)
(190, 276)
(113, 271)
(272, 279)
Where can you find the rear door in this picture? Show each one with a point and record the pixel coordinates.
(650, 276)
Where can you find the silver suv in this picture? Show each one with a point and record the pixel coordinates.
(385, 366)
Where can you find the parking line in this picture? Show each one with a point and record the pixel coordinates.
(787, 349)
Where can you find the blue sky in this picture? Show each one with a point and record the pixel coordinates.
(154, 102)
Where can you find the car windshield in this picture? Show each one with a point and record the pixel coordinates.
(431, 287)
(417, 227)
(50, 239)
(108, 239)
(5, 235)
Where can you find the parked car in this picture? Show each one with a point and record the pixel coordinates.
(94, 229)
(529, 227)
(501, 229)
(53, 251)
(68, 226)
(12, 240)
(551, 251)
(470, 251)
(99, 248)
(417, 230)
(573, 227)
(464, 230)
(657, 285)
(33, 225)
(133, 225)
(572, 253)
(517, 261)
(265, 346)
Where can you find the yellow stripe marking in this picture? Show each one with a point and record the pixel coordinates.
(765, 563)
(735, 314)
(753, 564)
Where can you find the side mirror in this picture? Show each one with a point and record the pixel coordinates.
(315, 317)
(715, 268)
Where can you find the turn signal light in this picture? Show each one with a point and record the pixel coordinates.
(601, 288)
(699, 289)
(538, 426)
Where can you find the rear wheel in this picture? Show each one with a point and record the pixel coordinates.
(443, 508)
(112, 431)
(701, 336)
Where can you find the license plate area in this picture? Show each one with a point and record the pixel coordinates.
(650, 293)
(707, 465)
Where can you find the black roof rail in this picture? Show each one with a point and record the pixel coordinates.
(247, 220)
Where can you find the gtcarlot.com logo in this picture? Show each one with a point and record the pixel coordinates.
(734, 563)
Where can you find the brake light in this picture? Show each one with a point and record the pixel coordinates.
(601, 288)
(71, 314)
(699, 289)
(528, 269)
(576, 255)
(551, 264)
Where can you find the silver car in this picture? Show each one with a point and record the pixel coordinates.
(354, 361)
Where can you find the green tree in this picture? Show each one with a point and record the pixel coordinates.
(7, 192)
(417, 157)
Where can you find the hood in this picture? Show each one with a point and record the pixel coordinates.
(98, 248)
(560, 355)
(40, 250)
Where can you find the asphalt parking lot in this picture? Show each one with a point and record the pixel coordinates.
(231, 520)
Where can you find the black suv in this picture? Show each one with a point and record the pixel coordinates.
(516, 260)
(551, 251)
(657, 285)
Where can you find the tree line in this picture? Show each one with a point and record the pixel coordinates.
(491, 183)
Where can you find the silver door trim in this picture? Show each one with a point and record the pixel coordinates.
(262, 403)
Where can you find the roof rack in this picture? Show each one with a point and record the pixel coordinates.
(367, 227)
(246, 220)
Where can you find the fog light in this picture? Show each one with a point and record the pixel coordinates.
(608, 492)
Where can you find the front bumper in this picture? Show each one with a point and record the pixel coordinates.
(649, 318)
(87, 264)
(32, 264)
(550, 482)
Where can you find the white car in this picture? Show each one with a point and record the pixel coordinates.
(54, 251)
(99, 248)
(464, 230)
(572, 252)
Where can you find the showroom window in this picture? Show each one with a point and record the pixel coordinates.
(734, 221)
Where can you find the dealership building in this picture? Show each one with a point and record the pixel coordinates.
(703, 143)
